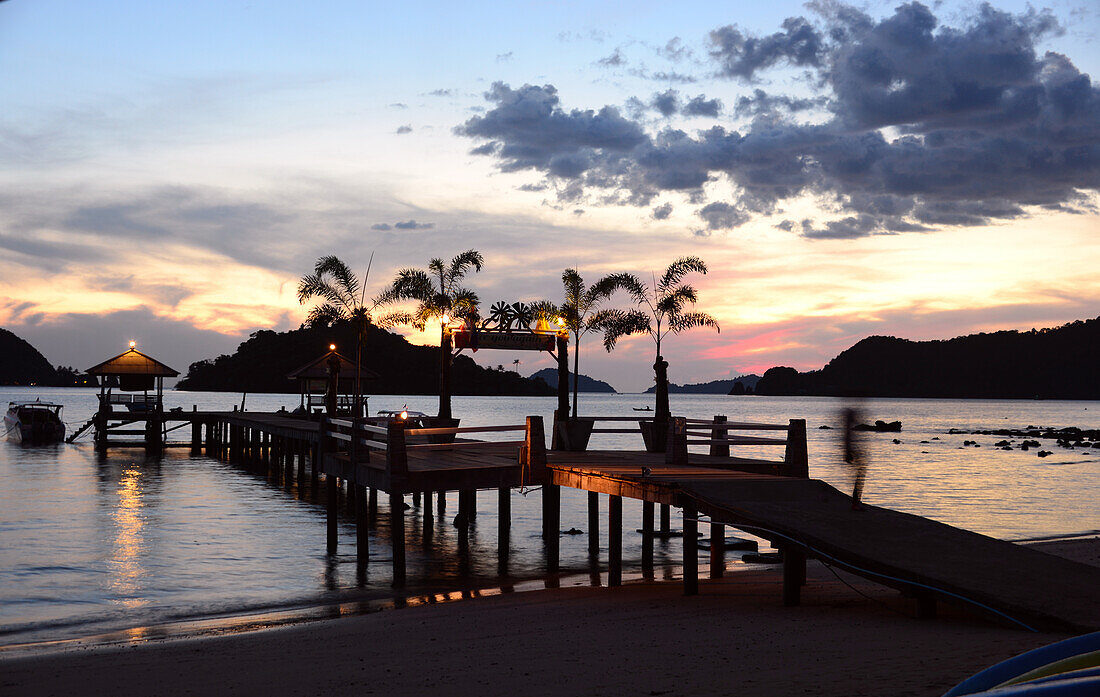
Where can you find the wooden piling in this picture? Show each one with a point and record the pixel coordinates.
(551, 524)
(362, 534)
(593, 523)
(614, 540)
(647, 538)
(719, 433)
(794, 574)
(504, 524)
(666, 519)
(717, 550)
(397, 537)
(796, 457)
(691, 549)
(332, 486)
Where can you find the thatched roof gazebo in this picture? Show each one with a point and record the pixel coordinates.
(313, 382)
(132, 371)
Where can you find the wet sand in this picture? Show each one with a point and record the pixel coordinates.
(642, 639)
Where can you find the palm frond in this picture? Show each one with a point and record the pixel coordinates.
(396, 318)
(461, 264)
(544, 310)
(413, 284)
(348, 283)
(680, 268)
(631, 284)
(673, 302)
(324, 315)
(616, 324)
(464, 304)
(684, 322)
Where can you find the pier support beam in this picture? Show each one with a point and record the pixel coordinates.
(593, 524)
(614, 540)
(717, 549)
(691, 549)
(647, 539)
(551, 524)
(794, 574)
(666, 519)
(504, 528)
(332, 486)
(397, 538)
(362, 534)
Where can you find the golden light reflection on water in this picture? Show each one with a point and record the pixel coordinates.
(129, 522)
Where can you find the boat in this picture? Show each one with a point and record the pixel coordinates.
(643, 408)
(34, 422)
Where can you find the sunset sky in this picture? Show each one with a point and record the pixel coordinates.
(169, 170)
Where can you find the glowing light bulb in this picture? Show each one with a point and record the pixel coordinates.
(445, 319)
(404, 415)
(332, 347)
(132, 343)
(560, 321)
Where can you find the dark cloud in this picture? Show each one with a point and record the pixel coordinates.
(662, 212)
(760, 102)
(381, 226)
(723, 216)
(666, 103)
(501, 57)
(401, 130)
(399, 105)
(742, 56)
(675, 50)
(699, 105)
(915, 125)
(413, 225)
(442, 92)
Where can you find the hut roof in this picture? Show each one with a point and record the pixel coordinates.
(317, 369)
(133, 362)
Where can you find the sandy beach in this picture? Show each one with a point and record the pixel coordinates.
(735, 637)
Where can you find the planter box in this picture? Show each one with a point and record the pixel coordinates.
(575, 433)
(655, 435)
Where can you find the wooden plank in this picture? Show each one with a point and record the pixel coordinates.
(464, 429)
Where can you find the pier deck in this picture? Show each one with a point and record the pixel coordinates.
(914, 554)
(774, 500)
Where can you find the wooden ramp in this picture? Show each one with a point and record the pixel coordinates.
(897, 549)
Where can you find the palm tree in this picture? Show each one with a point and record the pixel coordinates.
(343, 299)
(669, 310)
(581, 313)
(438, 294)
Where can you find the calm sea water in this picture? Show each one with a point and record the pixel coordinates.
(91, 544)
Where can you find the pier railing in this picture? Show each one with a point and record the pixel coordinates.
(395, 441)
(717, 433)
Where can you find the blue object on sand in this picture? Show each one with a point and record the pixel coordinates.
(1016, 666)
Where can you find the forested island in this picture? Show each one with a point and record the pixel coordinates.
(584, 383)
(1056, 363)
(747, 382)
(23, 364)
(262, 363)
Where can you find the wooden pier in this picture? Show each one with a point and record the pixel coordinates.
(770, 498)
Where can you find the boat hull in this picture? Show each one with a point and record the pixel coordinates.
(33, 426)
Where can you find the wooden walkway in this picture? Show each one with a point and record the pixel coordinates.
(931, 560)
(772, 499)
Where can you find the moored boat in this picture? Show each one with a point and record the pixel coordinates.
(34, 422)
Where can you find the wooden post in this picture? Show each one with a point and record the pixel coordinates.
(534, 449)
(467, 508)
(691, 549)
(428, 520)
(796, 457)
(196, 434)
(794, 574)
(614, 540)
(562, 345)
(331, 485)
(666, 519)
(551, 524)
(372, 504)
(441, 503)
(717, 550)
(362, 534)
(593, 524)
(504, 526)
(302, 447)
(397, 537)
(647, 539)
(676, 450)
(719, 432)
(416, 499)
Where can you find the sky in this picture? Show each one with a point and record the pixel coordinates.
(168, 171)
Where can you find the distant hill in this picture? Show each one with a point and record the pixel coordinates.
(23, 364)
(584, 383)
(712, 387)
(1057, 363)
(261, 364)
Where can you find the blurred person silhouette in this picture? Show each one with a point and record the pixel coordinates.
(852, 416)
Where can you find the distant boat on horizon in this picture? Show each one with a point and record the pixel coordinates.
(647, 408)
